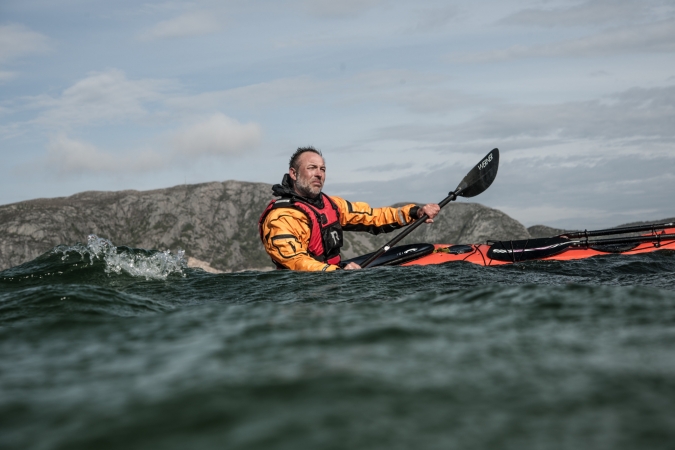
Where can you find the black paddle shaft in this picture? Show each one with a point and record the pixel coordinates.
(610, 231)
(475, 182)
(655, 238)
(405, 232)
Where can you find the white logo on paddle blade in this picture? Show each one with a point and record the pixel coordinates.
(485, 162)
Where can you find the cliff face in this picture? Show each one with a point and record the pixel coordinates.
(542, 231)
(213, 222)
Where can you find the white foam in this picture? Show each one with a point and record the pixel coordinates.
(155, 266)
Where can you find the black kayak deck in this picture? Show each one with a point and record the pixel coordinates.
(395, 256)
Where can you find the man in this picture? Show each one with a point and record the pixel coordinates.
(303, 229)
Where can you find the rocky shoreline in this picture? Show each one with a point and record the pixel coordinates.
(215, 223)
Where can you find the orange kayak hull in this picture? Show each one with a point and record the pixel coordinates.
(478, 253)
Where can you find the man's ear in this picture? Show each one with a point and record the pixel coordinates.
(292, 174)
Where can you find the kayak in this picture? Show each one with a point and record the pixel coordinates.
(478, 253)
(572, 246)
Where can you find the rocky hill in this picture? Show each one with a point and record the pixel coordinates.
(215, 223)
(541, 231)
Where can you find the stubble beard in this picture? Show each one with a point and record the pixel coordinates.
(305, 189)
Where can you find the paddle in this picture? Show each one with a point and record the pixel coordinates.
(609, 231)
(656, 238)
(531, 249)
(475, 182)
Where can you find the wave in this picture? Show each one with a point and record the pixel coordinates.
(101, 253)
(59, 304)
(85, 282)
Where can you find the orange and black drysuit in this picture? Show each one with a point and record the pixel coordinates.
(306, 234)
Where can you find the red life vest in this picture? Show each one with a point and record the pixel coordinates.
(325, 230)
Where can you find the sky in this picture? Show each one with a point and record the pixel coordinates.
(402, 98)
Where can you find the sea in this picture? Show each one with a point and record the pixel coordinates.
(109, 347)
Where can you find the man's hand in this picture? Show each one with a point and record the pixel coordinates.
(352, 266)
(431, 210)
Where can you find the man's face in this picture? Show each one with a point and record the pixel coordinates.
(310, 176)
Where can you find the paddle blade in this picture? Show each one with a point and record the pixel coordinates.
(481, 177)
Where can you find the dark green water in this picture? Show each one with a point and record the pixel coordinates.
(128, 349)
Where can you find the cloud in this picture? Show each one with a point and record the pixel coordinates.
(592, 12)
(101, 96)
(657, 37)
(331, 9)
(433, 19)
(415, 91)
(186, 25)
(218, 135)
(637, 113)
(426, 100)
(634, 115)
(69, 156)
(297, 90)
(7, 76)
(391, 167)
(18, 40)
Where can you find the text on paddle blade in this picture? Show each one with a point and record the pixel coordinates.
(485, 162)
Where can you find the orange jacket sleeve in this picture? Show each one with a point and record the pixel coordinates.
(286, 231)
(359, 216)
